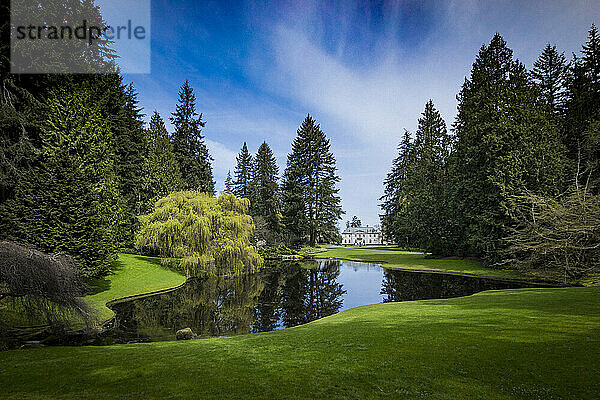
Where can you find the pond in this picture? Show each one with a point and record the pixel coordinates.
(282, 295)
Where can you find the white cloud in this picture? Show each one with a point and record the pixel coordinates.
(365, 107)
(224, 160)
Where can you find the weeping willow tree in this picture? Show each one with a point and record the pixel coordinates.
(207, 235)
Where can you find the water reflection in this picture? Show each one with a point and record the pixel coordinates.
(284, 294)
(405, 286)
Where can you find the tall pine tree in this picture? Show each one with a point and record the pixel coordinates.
(188, 144)
(229, 183)
(161, 171)
(69, 201)
(243, 173)
(550, 72)
(265, 190)
(426, 210)
(311, 205)
(505, 146)
(394, 195)
(582, 115)
(130, 148)
(118, 105)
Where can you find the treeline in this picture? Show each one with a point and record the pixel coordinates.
(78, 168)
(520, 161)
(305, 207)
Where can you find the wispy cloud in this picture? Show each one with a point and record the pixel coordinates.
(224, 159)
(364, 71)
(365, 103)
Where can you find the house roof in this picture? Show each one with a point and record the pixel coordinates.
(361, 229)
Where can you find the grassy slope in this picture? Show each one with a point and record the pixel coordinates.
(132, 274)
(412, 260)
(526, 343)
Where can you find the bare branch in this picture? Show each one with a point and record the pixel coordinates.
(46, 286)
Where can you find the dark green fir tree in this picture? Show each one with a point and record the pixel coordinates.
(582, 115)
(311, 204)
(394, 195)
(426, 208)
(229, 183)
(550, 73)
(130, 148)
(265, 190)
(188, 144)
(161, 171)
(243, 173)
(69, 201)
(505, 145)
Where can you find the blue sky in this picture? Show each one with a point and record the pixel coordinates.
(364, 70)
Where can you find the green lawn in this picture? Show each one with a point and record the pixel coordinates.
(394, 258)
(132, 275)
(523, 344)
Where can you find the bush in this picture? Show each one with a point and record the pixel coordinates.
(276, 251)
(557, 235)
(45, 287)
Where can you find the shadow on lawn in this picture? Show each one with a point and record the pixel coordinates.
(99, 285)
(103, 284)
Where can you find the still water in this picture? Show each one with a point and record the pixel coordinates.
(282, 295)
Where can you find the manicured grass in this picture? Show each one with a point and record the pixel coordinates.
(132, 275)
(383, 247)
(394, 258)
(522, 344)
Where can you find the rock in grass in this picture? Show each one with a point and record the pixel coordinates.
(184, 334)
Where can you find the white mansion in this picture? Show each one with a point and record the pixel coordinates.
(361, 236)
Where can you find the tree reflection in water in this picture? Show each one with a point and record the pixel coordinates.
(406, 285)
(284, 294)
(311, 293)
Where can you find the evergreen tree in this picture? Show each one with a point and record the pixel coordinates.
(68, 201)
(188, 144)
(415, 200)
(161, 171)
(118, 106)
(20, 116)
(311, 205)
(550, 72)
(505, 145)
(229, 183)
(426, 209)
(394, 195)
(582, 114)
(28, 102)
(130, 148)
(356, 222)
(265, 190)
(243, 173)
(591, 56)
